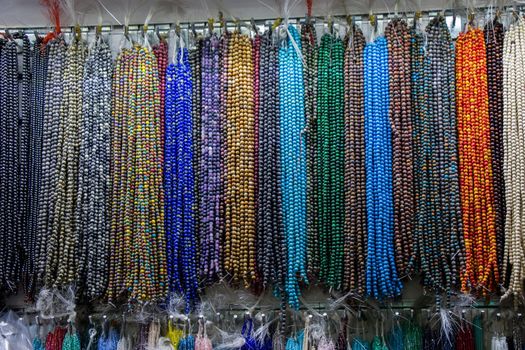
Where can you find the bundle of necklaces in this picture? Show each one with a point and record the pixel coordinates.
(369, 164)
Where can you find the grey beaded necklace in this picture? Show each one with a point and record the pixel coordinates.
(51, 124)
(93, 174)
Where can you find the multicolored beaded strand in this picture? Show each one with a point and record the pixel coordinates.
(137, 203)
(440, 256)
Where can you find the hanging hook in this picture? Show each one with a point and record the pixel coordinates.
(78, 32)
(254, 26)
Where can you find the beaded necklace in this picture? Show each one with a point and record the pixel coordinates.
(271, 252)
(309, 52)
(195, 62)
(398, 38)
(24, 162)
(161, 54)
(138, 262)
(93, 174)
(38, 83)
(210, 188)
(56, 50)
(514, 170)
(61, 264)
(179, 181)
(494, 34)
(438, 243)
(355, 176)
(331, 133)
(475, 167)
(256, 56)
(381, 274)
(11, 235)
(293, 163)
(239, 194)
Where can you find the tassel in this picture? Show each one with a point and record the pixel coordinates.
(53, 10)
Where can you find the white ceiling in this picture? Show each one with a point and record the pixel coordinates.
(30, 13)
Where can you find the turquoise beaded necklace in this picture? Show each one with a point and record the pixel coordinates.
(293, 163)
(381, 274)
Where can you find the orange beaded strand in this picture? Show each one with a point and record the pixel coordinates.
(475, 168)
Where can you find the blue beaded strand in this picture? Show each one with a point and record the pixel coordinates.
(381, 275)
(293, 162)
(179, 182)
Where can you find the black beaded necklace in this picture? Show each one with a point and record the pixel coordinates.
(9, 170)
(271, 252)
(93, 174)
(23, 162)
(38, 83)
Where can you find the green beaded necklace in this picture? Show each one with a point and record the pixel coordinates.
(331, 137)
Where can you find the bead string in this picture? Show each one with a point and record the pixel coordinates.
(61, 264)
(161, 54)
(494, 35)
(355, 251)
(239, 195)
(24, 124)
(309, 52)
(195, 61)
(211, 161)
(39, 62)
(513, 167)
(475, 166)
(51, 124)
(439, 256)
(93, 171)
(330, 118)
(398, 38)
(256, 57)
(179, 181)
(138, 263)
(293, 163)
(381, 274)
(271, 250)
(10, 230)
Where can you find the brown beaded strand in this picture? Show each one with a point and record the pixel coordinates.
(398, 38)
(355, 234)
(240, 167)
(494, 34)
